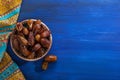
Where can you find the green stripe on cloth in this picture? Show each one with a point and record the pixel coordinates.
(3, 45)
(12, 13)
(10, 70)
(2, 49)
(3, 33)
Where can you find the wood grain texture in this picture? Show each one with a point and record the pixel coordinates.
(85, 39)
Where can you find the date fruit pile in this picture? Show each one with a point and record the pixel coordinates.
(31, 39)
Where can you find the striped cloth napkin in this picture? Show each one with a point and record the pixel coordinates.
(9, 11)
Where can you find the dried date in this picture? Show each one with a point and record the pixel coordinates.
(40, 52)
(23, 40)
(31, 56)
(36, 29)
(37, 37)
(45, 34)
(30, 24)
(16, 44)
(38, 22)
(25, 31)
(25, 52)
(31, 39)
(44, 65)
(45, 42)
(36, 47)
(19, 27)
(51, 58)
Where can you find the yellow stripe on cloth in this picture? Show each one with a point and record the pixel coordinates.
(16, 76)
(7, 5)
(9, 21)
(5, 62)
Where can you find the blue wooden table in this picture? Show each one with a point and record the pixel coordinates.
(86, 39)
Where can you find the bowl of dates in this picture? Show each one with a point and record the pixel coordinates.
(31, 40)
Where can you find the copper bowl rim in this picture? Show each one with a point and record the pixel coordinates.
(35, 58)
